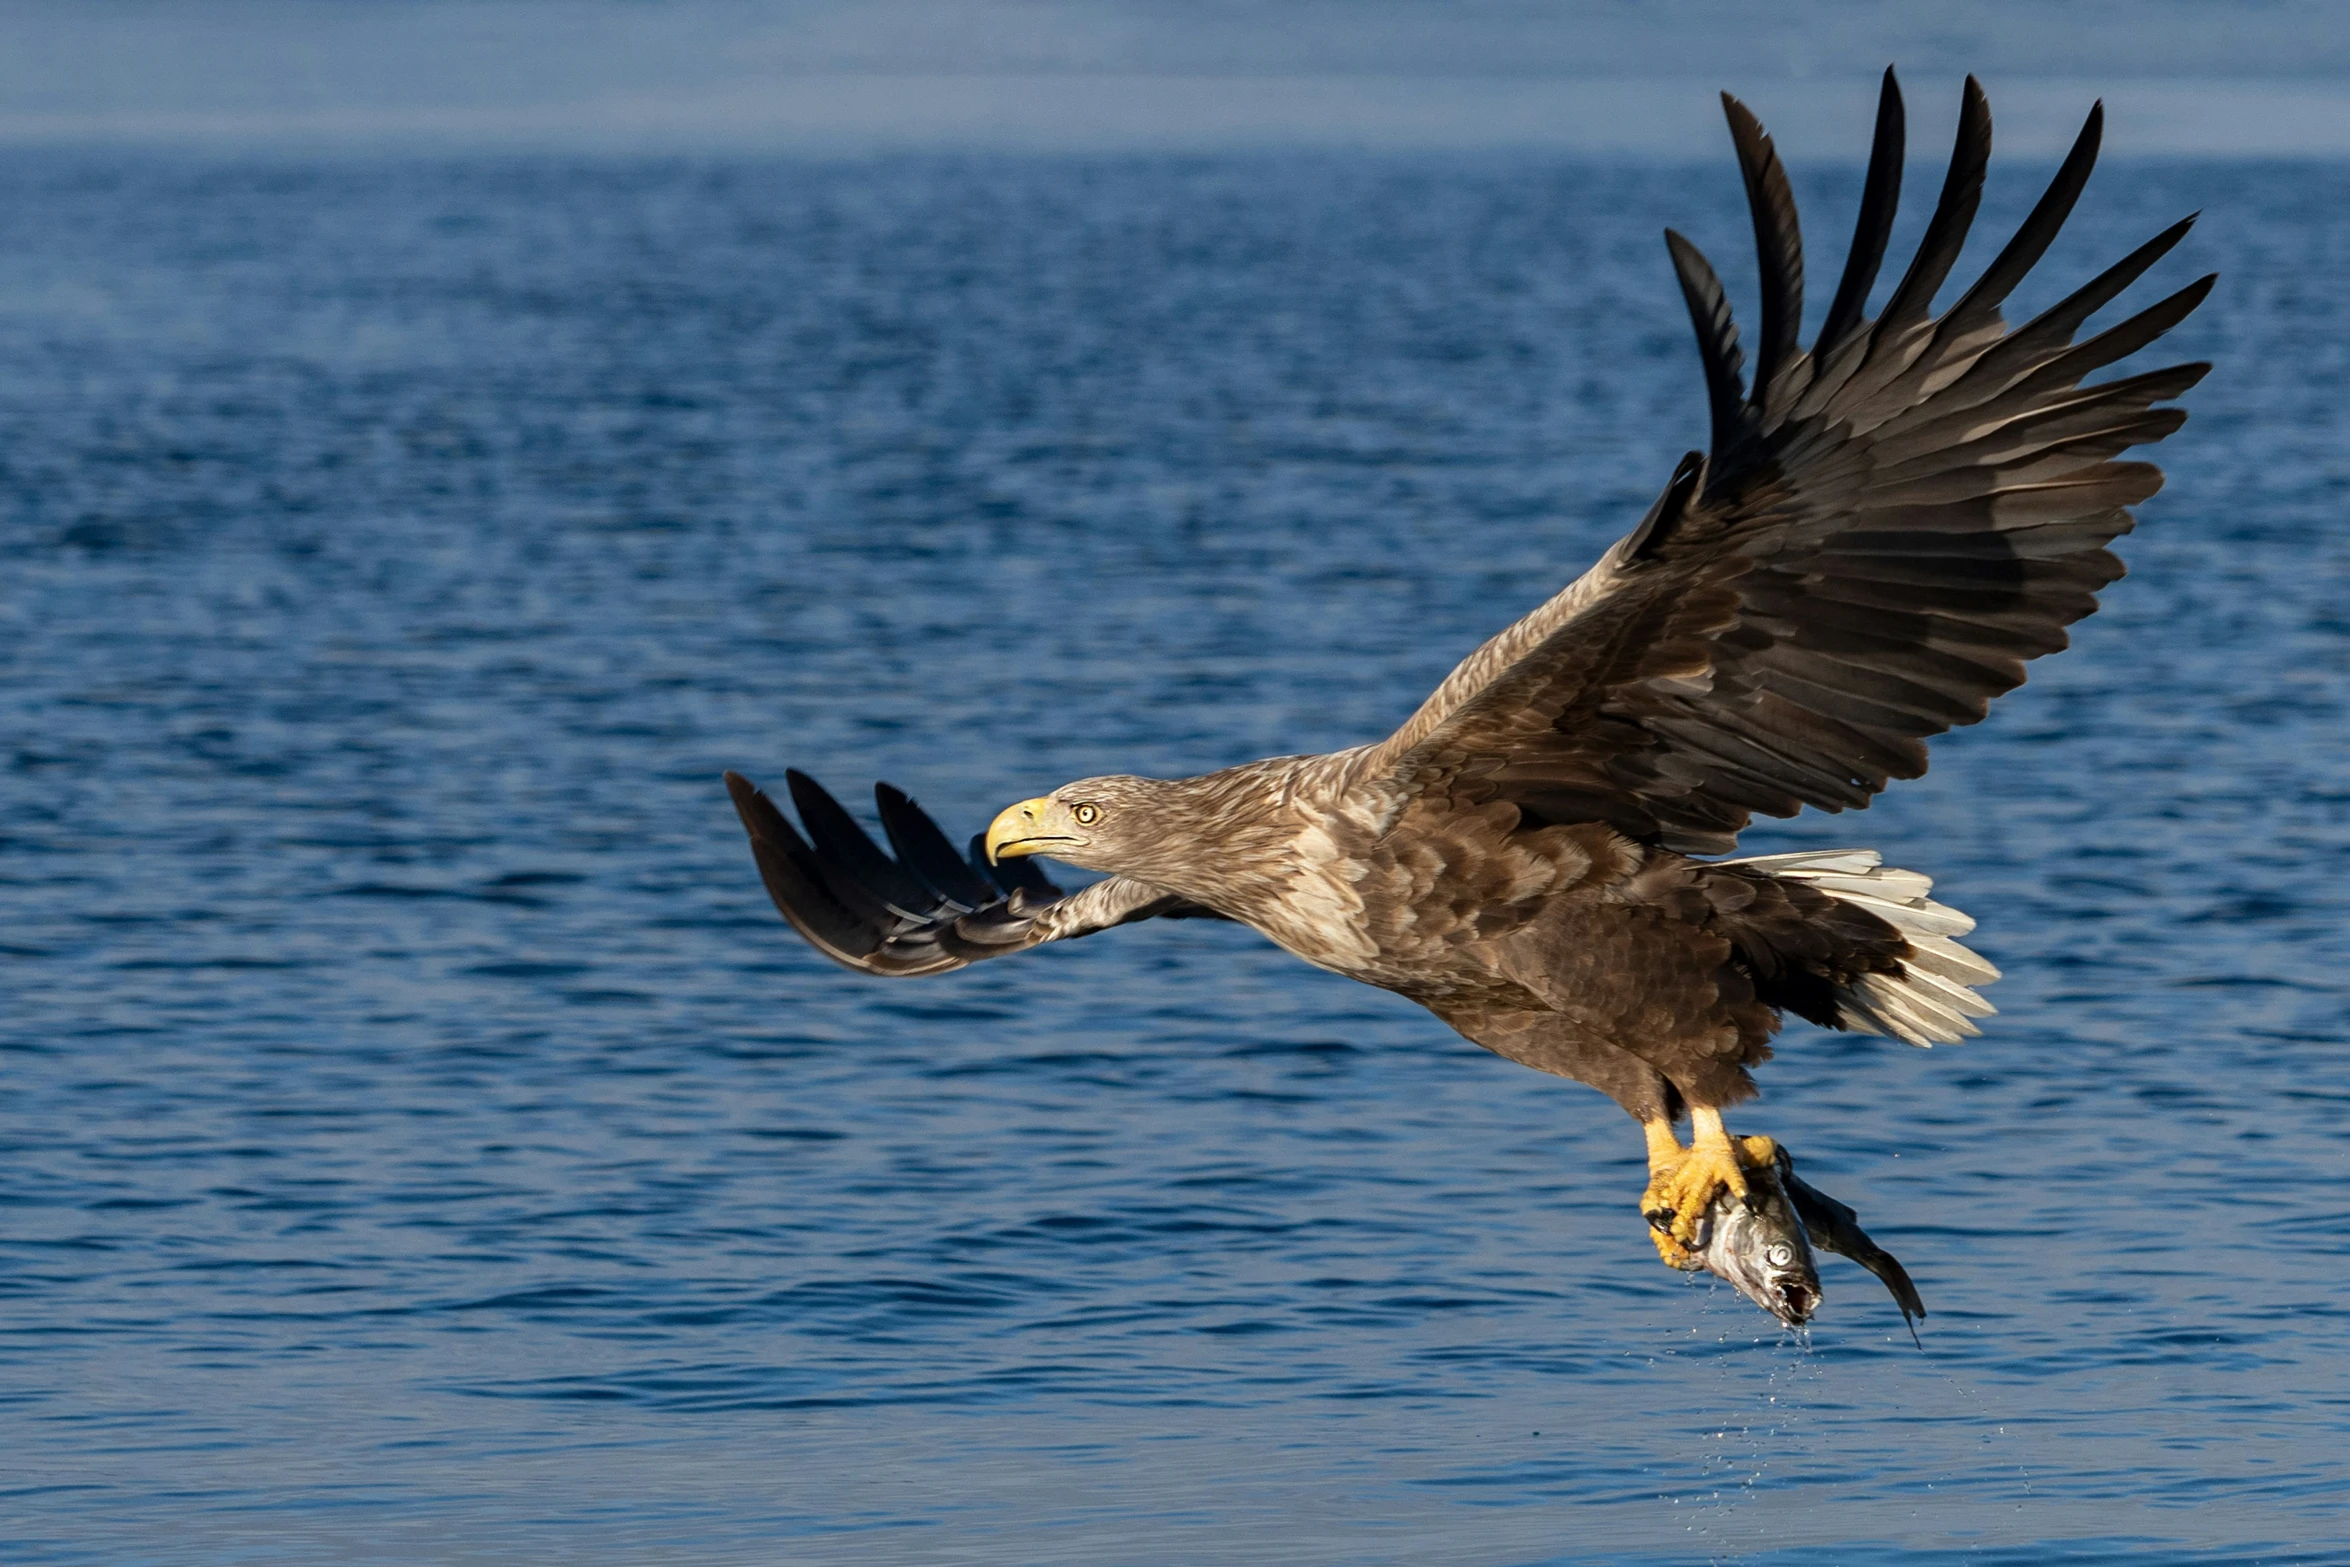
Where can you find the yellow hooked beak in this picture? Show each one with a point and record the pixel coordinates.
(1019, 829)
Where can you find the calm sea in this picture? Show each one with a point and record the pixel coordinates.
(422, 1142)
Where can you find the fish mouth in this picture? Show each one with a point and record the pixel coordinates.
(1793, 1303)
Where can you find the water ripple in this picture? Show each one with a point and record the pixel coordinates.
(423, 1143)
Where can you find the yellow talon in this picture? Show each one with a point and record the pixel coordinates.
(1683, 1183)
(1672, 1253)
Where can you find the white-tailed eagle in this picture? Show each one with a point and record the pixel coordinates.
(1885, 529)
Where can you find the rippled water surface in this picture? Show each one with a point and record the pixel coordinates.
(423, 1142)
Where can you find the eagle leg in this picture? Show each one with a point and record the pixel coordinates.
(1665, 1155)
(1683, 1182)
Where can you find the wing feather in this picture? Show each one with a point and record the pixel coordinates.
(864, 878)
(927, 910)
(924, 851)
(1778, 249)
(1717, 339)
(1883, 532)
(1872, 231)
(1979, 306)
(794, 879)
(1954, 215)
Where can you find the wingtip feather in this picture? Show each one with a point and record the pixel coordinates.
(1872, 227)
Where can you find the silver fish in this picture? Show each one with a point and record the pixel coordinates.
(1763, 1246)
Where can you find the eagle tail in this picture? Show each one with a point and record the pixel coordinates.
(1928, 997)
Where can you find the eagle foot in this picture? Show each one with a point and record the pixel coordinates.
(1671, 1252)
(1682, 1186)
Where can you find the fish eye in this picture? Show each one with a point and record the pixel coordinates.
(1781, 1255)
(1087, 814)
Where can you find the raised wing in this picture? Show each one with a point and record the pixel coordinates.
(930, 909)
(1885, 529)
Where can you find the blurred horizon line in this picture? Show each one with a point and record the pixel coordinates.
(1661, 118)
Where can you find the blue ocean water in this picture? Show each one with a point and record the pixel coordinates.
(422, 1141)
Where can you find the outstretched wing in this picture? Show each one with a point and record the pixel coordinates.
(1884, 530)
(930, 909)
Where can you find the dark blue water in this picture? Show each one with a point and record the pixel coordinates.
(423, 1142)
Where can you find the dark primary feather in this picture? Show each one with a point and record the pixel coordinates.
(863, 877)
(1887, 530)
(927, 910)
(924, 850)
(1954, 214)
(1670, 508)
(1980, 304)
(1717, 341)
(1873, 229)
(1778, 247)
(795, 880)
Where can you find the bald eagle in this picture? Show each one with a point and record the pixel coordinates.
(1883, 530)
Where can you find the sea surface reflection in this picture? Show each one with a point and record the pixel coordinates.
(423, 1142)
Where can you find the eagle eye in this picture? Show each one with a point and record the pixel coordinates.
(1087, 814)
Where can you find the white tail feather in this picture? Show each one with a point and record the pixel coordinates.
(1929, 1001)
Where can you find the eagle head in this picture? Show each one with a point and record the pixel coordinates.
(1100, 824)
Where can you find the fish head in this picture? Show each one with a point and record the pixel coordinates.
(1759, 1246)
